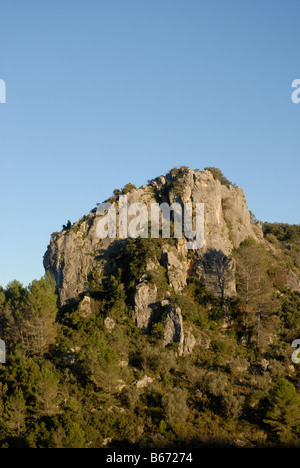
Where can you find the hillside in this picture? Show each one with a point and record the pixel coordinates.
(143, 342)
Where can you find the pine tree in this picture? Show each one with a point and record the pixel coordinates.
(255, 292)
(100, 363)
(283, 413)
(40, 315)
(15, 413)
(45, 391)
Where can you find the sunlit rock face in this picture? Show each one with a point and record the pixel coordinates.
(77, 254)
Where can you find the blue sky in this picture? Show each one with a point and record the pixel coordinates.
(105, 92)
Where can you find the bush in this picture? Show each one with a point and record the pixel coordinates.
(218, 175)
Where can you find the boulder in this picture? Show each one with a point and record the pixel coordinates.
(85, 307)
(109, 323)
(143, 382)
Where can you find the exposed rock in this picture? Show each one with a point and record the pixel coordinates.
(143, 382)
(145, 298)
(176, 269)
(291, 369)
(121, 385)
(114, 408)
(165, 303)
(77, 253)
(189, 342)
(71, 257)
(123, 363)
(85, 307)
(106, 441)
(244, 340)
(264, 364)
(173, 325)
(240, 442)
(109, 323)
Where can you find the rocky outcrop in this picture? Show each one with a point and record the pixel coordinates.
(174, 329)
(85, 307)
(144, 382)
(173, 325)
(189, 343)
(109, 324)
(76, 255)
(144, 299)
(176, 265)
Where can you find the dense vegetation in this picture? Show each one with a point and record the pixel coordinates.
(285, 237)
(218, 175)
(74, 379)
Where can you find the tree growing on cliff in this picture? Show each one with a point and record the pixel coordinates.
(218, 175)
(221, 269)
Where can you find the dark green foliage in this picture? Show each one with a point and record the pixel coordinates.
(67, 227)
(286, 233)
(27, 316)
(210, 305)
(133, 257)
(158, 276)
(283, 412)
(290, 310)
(218, 175)
(99, 363)
(191, 311)
(72, 381)
(128, 188)
(287, 238)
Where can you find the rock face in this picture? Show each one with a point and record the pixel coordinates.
(173, 325)
(145, 299)
(85, 307)
(77, 254)
(174, 329)
(176, 268)
(188, 343)
(144, 382)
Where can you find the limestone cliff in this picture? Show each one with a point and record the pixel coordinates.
(77, 253)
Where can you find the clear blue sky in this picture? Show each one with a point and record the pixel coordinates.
(105, 92)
